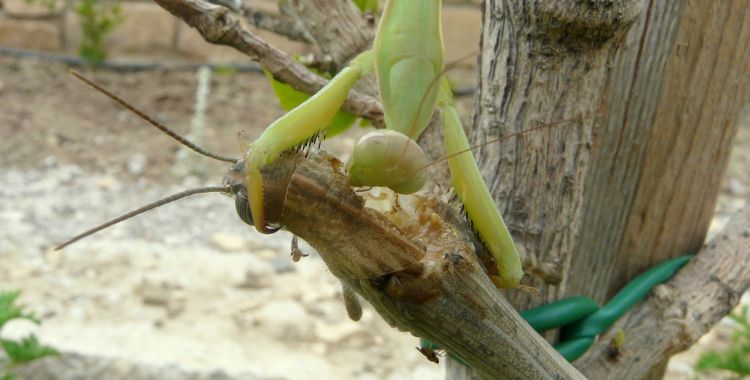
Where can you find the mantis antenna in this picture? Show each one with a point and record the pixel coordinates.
(150, 206)
(560, 123)
(151, 120)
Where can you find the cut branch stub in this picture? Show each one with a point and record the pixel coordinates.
(417, 268)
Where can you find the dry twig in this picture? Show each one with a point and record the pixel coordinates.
(280, 25)
(219, 26)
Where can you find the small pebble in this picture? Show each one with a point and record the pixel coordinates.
(137, 164)
(283, 264)
(228, 242)
(736, 187)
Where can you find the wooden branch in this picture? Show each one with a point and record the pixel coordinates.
(415, 264)
(682, 310)
(281, 25)
(219, 26)
(337, 27)
(339, 38)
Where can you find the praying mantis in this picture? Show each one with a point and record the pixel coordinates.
(407, 59)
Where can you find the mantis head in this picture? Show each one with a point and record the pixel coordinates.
(388, 158)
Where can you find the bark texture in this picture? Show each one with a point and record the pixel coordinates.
(633, 179)
(669, 116)
(341, 40)
(543, 62)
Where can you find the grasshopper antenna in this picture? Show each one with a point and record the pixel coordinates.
(150, 206)
(151, 119)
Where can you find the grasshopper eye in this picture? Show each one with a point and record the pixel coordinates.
(243, 208)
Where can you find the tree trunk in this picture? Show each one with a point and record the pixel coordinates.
(632, 175)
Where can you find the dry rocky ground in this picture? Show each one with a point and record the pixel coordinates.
(187, 291)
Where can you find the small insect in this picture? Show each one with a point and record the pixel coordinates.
(615, 347)
(430, 354)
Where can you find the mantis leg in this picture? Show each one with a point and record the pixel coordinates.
(476, 198)
(298, 125)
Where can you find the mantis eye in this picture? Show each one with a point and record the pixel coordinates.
(243, 208)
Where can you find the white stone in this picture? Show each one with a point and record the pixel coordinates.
(228, 242)
(137, 164)
(285, 319)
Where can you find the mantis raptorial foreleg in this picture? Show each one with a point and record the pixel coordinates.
(477, 200)
(408, 59)
(298, 125)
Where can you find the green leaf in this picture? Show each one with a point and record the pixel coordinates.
(367, 5)
(736, 358)
(8, 376)
(340, 123)
(26, 350)
(290, 98)
(9, 310)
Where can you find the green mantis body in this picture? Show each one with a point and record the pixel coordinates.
(408, 60)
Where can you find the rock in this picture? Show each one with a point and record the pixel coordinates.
(283, 264)
(331, 311)
(228, 242)
(50, 161)
(255, 280)
(17, 329)
(736, 187)
(285, 320)
(424, 371)
(162, 293)
(107, 183)
(335, 333)
(69, 366)
(176, 304)
(320, 292)
(137, 164)
(267, 254)
(259, 274)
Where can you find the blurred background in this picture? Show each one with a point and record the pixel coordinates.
(187, 291)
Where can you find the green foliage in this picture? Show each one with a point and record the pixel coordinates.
(290, 98)
(225, 70)
(8, 309)
(97, 19)
(367, 5)
(49, 4)
(736, 358)
(28, 348)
